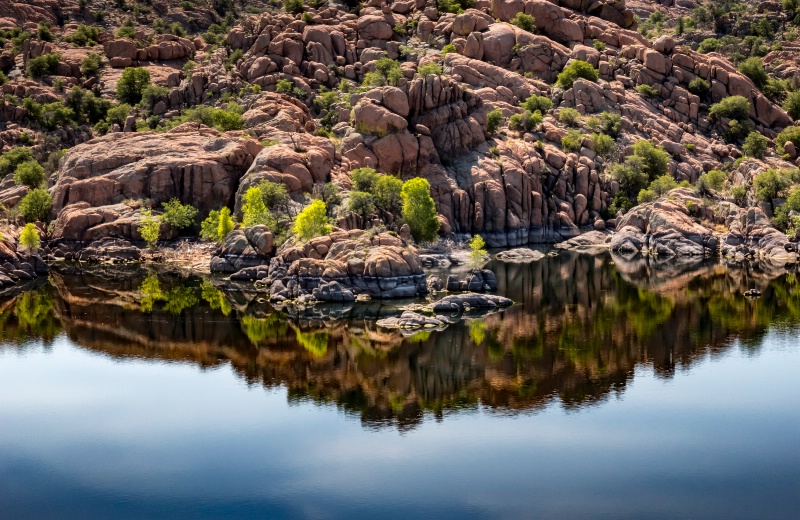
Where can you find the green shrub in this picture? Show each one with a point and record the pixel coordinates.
(293, 6)
(708, 45)
(699, 87)
(43, 32)
(419, 209)
(55, 115)
(714, 179)
(599, 46)
(493, 121)
(386, 193)
(43, 65)
(151, 95)
(118, 114)
(477, 252)
(10, 160)
(569, 116)
(645, 196)
(654, 160)
(754, 69)
(430, 69)
(646, 90)
(29, 173)
(630, 178)
(772, 183)
(35, 206)
(733, 107)
(447, 49)
(572, 141)
(540, 103)
(524, 21)
(225, 224)
(363, 179)
(126, 31)
(792, 104)
(362, 204)
(221, 119)
(29, 238)
(84, 36)
(150, 228)
(788, 134)
(312, 221)
(90, 65)
(275, 196)
(663, 184)
(739, 194)
(576, 69)
(254, 211)
(131, 85)
(602, 144)
(387, 72)
(216, 226)
(527, 121)
(179, 215)
(755, 145)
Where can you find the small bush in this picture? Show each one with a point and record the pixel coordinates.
(254, 211)
(90, 65)
(755, 145)
(739, 194)
(10, 160)
(179, 215)
(275, 196)
(572, 141)
(663, 184)
(526, 121)
(386, 192)
(699, 87)
(792, 104)
(576, 69)
(646, 90)
(29, 238)
(733, 107)
(493, 121)
(150, 228)
(599, 46)
(312, 221)
(569, 116)
(430, 69)
(35, 206)
(788, 134)
(131, 85)
(126, 31)
(363, 178)
(540, 103)
(419, 209)
(654, 160)
(387, 72)
(84, 36)
(362, 204)
(44, 65)
(447, 49)
(603, 144)
(714, 179)
(293, 6)
(29, 173)
(524, 21)
(754, 69)
(708, 45)
(477, 251)
(771, 183)
(44, 33)
(646, 196)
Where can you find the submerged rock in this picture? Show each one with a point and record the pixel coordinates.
(476, 280)
(520, 254)
(462, 302)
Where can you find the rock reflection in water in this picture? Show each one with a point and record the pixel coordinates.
(581, 325)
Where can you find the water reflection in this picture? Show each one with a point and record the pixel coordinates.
(581, 326)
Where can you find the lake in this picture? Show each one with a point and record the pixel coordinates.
(612, 389)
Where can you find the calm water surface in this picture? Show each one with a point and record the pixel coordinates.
(611, 390)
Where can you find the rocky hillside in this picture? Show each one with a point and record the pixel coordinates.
(532, 121)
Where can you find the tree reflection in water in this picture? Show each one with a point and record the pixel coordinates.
(580, 327)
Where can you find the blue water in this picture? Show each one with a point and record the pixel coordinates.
(87, 435)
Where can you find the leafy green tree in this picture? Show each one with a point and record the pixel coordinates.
(477, 251)
(225, 225)
(755, 145)
(790, 134)
(275, 196)
(540, 103)
(430, 69)
(771, 183)
(572, 140)
(387, 72)
(699, 87)
(524, 21)
(419, 209)
(663, 184)
(386, 193)
(293, 6)
(603, 144)
(792, 104)
(655, 160)
(753, 68)
(576, 69)
(732, 107)
(150, 228)
(13, 158)
(43, 65)
(178, 215)
(364, 178)
(29, 173)
(131, 85)
(209, 228)
(569, 116)
(312, 221)
(29, 238)
(362, 204)
(35, 206)
(254, 211)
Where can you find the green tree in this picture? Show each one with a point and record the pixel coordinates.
(225, 225)
(362, 204)
(792, 104)
(569, 116)
(209, 228)
(663, 184)
(35, 206)
(419, 209)
(699, 87)
(387, 72)
(753, 68)
(755, 145)
(524, 21)
(312, 221)
(131, 85)
(254, 211)
(13, 158)
(540, 103)
(572, 140)
(430, 69)
(178, 215)
(293, 6)
(733, 107)
(655, 160)
(477, 251)
(603, 144)
(29, 173)
(275, 196)
(386, 193)
(29, 238)
(493, 121)
(576, 69)
(771, 183)
(43, 65)
(364, 178)
(150, 228)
